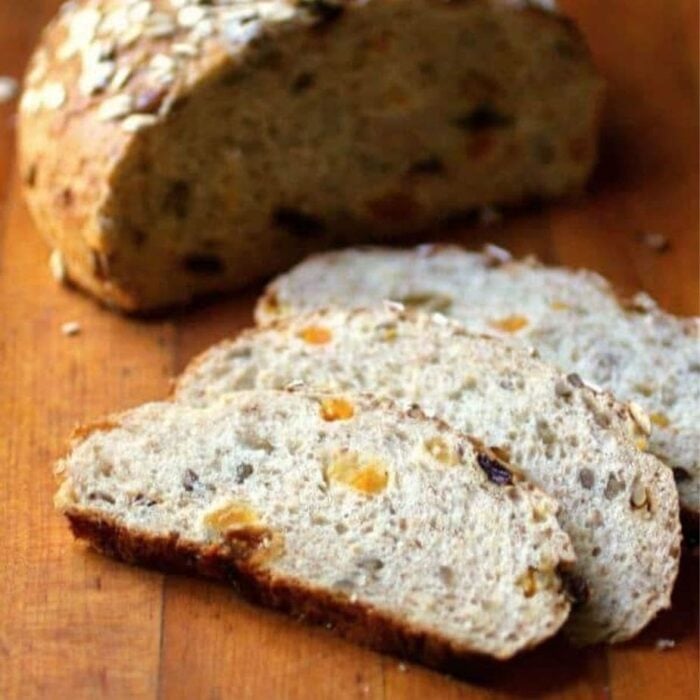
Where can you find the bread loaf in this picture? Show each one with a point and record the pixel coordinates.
(390, 527)
(173, 149)
(572, 317)
(618, 504)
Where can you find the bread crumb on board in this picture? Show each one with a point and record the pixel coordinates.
(655, 241)
(665, 644)
(71, 328)
(8, 88)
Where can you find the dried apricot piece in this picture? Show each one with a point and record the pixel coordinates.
(510, 324)
(336, 409)
(231, 516)
(316, 335)
(369, 476)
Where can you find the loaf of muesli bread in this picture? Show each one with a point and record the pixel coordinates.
(172, 149)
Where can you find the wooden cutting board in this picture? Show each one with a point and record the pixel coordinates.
(74, 625)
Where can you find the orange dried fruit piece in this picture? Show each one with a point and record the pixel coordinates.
(441, 451)
(316, 335)
(336, 409)
(369, 476)
(509, 324)
(660, 419)
(558, 305)
(231, 516)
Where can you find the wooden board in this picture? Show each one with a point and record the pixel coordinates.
(76, 625)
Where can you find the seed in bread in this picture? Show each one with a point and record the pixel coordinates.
(349, 522)
(618, 504)
(173, 149)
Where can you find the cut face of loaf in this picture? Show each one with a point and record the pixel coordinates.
(618, 504)
(404, 534)
(176, 149)
(572, 317)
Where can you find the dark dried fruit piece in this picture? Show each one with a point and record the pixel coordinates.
(243, 471)
(586, 477)
(482, 117)
(496, 472)
(302, 82)
(575, 380)
(177, 198)
(203, 264)
(297, 223)
(189, 479)
(613, 487)
(427, 166)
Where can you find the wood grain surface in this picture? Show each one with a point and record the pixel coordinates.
(76, 625)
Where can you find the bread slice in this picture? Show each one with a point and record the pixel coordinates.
(340, 508)
(618, 504)
(572, 317)
(175, 149)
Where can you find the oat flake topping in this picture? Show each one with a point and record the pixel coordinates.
(102, 36)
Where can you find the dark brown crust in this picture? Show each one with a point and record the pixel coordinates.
(354, 621)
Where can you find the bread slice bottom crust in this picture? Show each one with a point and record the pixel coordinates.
(355, 621)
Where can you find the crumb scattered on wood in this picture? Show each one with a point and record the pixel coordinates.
(655, 241)
(70, 328)
(665, 644)
(8, 88)
(402, 668)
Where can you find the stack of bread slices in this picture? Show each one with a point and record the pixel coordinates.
(439, 453)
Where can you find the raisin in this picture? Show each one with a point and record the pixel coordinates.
(177, 199)
(243, 471)
(483, 117)
(302, 82)
(203, 264)
(575, 588)
(586, 477)
(613, 487)
(427, 166)
(189, 479)
(495, 471)
(297, 223)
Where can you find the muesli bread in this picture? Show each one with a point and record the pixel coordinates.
(572, 317)
(389, 526)
(618, 504)
(171, 149)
